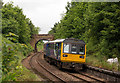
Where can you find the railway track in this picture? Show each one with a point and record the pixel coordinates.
(86, 78)
(62, 76)
(53, 74)
(92, 77)
(54, 77)
(39, 65)
(35, 70)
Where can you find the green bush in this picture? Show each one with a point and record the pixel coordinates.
(11, 55)
(101, 62)
(40, 45)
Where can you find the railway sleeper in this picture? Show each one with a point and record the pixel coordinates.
(72, 65)
(59, 65)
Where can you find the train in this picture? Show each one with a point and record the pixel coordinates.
(67, 53)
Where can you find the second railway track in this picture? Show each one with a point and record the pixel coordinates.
(86, 78)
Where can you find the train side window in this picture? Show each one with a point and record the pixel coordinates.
(52, 46)
(66, 48)
(48, 46)
(81, 50)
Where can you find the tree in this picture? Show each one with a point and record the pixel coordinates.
(95, 23)
(14, 21)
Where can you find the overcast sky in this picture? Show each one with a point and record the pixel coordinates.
(43, 13)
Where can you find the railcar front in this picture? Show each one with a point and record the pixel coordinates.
(73, 53)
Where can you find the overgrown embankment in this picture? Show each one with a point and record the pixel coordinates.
(13, 54)
(17, 31)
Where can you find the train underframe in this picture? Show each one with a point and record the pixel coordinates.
(65, 65)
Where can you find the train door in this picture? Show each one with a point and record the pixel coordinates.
(58, 50)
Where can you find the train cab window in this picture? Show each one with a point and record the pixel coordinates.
(66, 48)
(73, 49)
(81, 50)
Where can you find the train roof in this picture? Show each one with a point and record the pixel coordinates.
(68, 40)
(57, 40)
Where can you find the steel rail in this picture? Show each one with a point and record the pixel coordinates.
(50, 72)
(35, 70)
(78, 77)
(102, 81)
(72, 74)
(44, 69)
(59, 78)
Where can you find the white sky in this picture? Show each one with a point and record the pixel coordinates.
(42, 13)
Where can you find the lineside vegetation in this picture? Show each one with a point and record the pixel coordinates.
(97, 23)
(16, 34)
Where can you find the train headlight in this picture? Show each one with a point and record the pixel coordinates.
(82, 57)
(65, 55)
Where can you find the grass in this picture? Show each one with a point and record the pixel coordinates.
(27, 75)
(40, 46)
(101, 63)
(24, 73)
(20, 73)
(12, 55)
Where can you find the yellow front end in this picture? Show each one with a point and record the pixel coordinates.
(72, 57)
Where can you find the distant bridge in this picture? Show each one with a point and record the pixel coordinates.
(37, 37)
